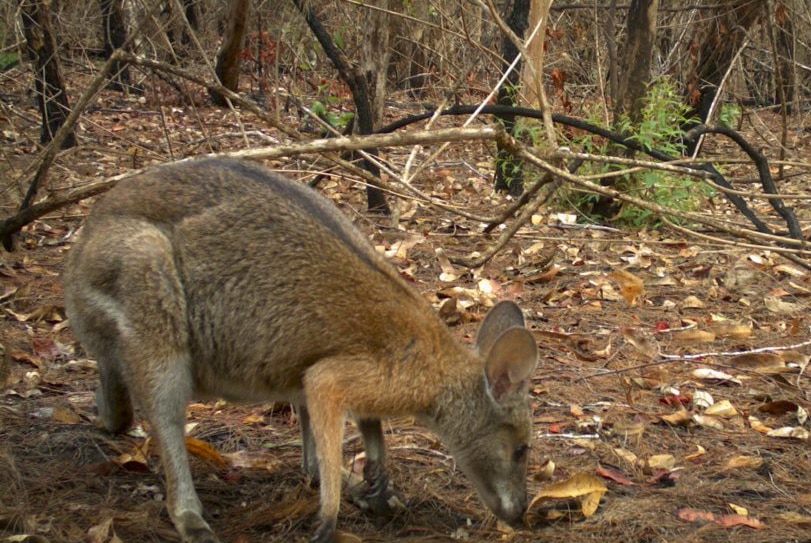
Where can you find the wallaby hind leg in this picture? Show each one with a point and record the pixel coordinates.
(165, 408)
(113, 399)
(156, 363)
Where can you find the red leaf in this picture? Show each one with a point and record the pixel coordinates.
(613, 475)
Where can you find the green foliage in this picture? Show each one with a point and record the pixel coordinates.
(339, 121)
(730, 115)
(7, 60)
(659, 126)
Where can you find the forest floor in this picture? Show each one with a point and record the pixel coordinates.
(671, 393)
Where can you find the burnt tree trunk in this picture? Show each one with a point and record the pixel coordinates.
(362, 95)
(636, 59)
(722, 37)
(634, 69)
(114, 32)
(51, 96)
(228, 58)
(509, 176)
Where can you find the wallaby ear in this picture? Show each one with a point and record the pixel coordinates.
(502, 317)
(511, 362)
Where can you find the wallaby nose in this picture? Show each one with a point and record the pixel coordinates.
(512, 511)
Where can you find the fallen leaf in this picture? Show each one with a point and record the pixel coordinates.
(694, 336)
(757, 360)
(449, 273)
(631, 287)
(776, 305)
(698, 454)
(203, 450)
(708, 422)
(795, 432)
(778, 407)
(709, 374)
(739, 510)
(744, 462)
(723, 409)
(581, 485)
(679, 418)
(702, 399)
(260, 460)
(731, 330)
(691, 302)
(613, 475)
(730, 521)
(662, 461)
(694, 515)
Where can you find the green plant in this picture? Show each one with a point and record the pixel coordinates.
(339, 121)
(8, 60)
(730, 115)
(658, 126)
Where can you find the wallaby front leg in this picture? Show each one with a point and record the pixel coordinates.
(326, 405)
(376, 496)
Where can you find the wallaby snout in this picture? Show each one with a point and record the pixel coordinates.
(219, 278)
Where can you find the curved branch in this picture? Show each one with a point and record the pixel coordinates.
(614, 137)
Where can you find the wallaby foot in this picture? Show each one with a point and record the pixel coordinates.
(374, 494)
(194, 529)
(326, 532)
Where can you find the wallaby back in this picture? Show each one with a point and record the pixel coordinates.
(218, 278)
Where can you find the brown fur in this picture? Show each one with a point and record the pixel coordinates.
(219, 278)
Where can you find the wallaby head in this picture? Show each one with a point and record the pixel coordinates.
(486, 423)
(218, 278)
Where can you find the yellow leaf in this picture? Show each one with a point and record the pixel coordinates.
(742, 511)
(698, 454)
(662, 461)
(722, 409)
(590, 502)
(631, 287)
(579, 485)
(744, 462)
(732, 330)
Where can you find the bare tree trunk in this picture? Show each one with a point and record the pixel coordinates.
(636, 59)
(633, 79)
(509, 175)
(115, 36)
(722, 37)
(376, 55)
(362, 95)
(51, 96)
(228, 59)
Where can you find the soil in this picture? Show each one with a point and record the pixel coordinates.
(636, 329)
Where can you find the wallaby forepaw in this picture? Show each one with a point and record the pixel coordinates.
(379, 500)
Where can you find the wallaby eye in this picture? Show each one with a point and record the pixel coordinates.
(520, 453)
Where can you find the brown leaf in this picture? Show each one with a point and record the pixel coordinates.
(778, 407)
(694, 515)
(729, 521)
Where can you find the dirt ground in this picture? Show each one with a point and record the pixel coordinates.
(639, 333)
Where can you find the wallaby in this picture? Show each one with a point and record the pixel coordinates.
(219, 278)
